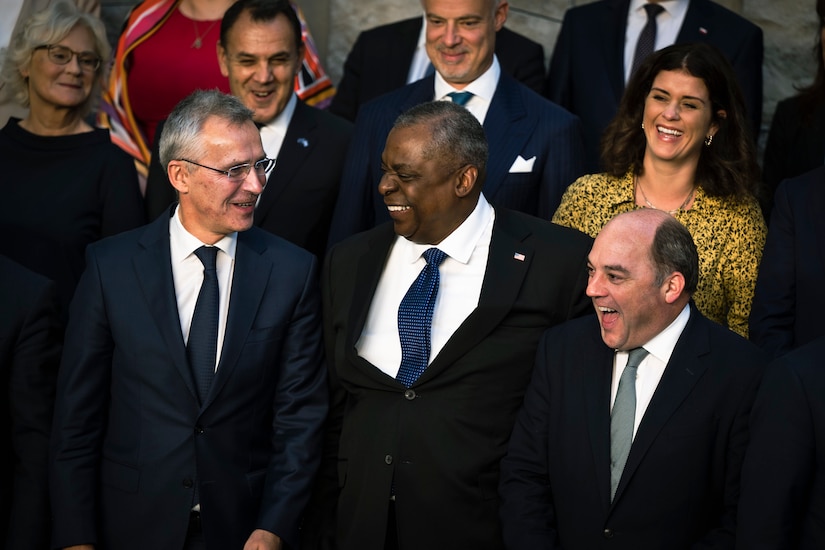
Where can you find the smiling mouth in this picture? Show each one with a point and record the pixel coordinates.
(397, 208)
(668, 131)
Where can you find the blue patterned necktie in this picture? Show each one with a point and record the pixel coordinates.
(415, 315)
(202, 347)
(622, 418)
(647, 38)
(460, 98)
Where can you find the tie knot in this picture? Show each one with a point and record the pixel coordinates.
(653, 10)
(635, 356)
(208, 256)
(434, 256)
(460, 98)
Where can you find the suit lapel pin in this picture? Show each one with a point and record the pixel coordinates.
(303, 142)
(519, 256)
(703, 31)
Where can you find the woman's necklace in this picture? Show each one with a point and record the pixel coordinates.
(671, 212)
(199, 37)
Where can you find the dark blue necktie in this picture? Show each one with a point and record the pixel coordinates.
(202, 347)
(647, 38)
(460, 98)
(415, 315)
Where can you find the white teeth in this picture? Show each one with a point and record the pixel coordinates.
(396, 208)
(668, 131)
(606, 310)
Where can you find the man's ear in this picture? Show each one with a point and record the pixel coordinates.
(467, 179)
(178, 175)
(223, 59)
(673, 287)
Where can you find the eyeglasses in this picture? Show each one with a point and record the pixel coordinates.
(238, 173)
(61, 55)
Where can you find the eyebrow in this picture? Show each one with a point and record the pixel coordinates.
(699, 99)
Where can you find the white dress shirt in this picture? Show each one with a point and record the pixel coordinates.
(273, 132)
(461, 276)
(483, 88)
(420, 61)
(650, 370)
(668, 24)
(187, 274)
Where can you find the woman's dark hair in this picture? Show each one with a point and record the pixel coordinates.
(728, 166)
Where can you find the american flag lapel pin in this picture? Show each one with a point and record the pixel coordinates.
(519, 256)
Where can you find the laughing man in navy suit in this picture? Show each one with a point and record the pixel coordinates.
(592, 57)
(575, 476)
(536, 146)
(142, 456)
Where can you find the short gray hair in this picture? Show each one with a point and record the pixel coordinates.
(455, 134)
(50, 26)
(181, 132)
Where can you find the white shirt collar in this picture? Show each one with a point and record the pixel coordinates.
(661, 346)
(459, 244)
(182, 243)
(484, 86)
(675, 8)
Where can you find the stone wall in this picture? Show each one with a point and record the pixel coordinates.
(790, 28)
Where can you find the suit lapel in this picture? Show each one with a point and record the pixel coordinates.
(698, 25)
(501, 285)
(153, 270)
(612, 43)
(299, 141)
(249, 281)
(682, 373)
(508, 128)
(599, 365)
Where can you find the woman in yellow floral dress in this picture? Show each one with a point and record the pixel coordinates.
(680, 143)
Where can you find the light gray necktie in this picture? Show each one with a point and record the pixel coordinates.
(622, 418)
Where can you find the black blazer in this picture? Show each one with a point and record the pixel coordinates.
(795, 145)
(783, 478)
(30, 339)
(788, 299)
(681, 481)
(380, 59)
(301, 190)
(586, 73)
(441, 440)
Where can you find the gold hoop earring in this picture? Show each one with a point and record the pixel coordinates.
(708, 140)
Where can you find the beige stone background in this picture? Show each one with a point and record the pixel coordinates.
(789, 26)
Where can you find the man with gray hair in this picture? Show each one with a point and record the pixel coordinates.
(635, 423)
(431, 323)
(191, 392)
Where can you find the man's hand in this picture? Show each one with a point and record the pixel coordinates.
(263, 540)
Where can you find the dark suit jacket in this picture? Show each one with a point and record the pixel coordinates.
(788, 300)
(130, 435)
(518, 122)
(30, 338)
(795, 145)
(441, 440)
(380, 59)
(586, 73)
(783, 478)
(681, 481)
(300, 193)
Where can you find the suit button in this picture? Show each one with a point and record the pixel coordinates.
(198, 430)
(188, 484)
(388, 459)
(608, 533)
(410, 394)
